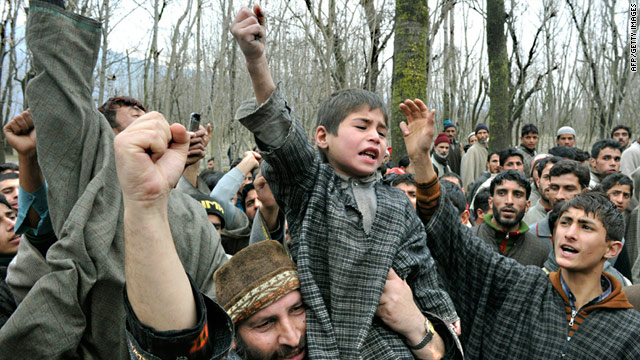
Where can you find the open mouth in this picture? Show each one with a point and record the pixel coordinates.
(299, 355)
(370, 154)
(567, 249)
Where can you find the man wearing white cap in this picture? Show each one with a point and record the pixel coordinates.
(566, 137)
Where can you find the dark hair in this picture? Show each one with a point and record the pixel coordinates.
(543, 163)
(563, 152)
(9, 176)
(529, 128)
(603, 144)
(510, 175)
(455, 195)
(571, 167)
(212, 179)
(598, 204)
(505, 154)
(494, 152)
(451, 174)
(245, 191)
(3, 200)
(581, 155)
(108, 109)
(211, 159)
(403, 179)
(8, 166)
(404, 161)
(235, 163)
(481, 201)
(342, 103)
(618, 127)
(615, 179)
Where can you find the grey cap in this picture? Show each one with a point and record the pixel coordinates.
(566, 130)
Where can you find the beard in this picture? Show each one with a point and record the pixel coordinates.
(507, 223)
(284, 351)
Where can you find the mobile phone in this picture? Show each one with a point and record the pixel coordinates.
(194, 122)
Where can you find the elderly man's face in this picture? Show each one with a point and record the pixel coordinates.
(275, 332)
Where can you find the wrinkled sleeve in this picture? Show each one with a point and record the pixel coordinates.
(210, 338)
(37, 200)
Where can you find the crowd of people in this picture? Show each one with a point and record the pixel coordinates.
(114, 245)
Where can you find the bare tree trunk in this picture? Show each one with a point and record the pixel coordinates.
(409, 65)
(499, 75)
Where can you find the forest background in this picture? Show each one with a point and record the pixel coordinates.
(502, 62)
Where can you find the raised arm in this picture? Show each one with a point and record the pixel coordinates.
(248, 29)
(150, 157)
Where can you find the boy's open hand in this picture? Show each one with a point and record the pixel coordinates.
(418, 130)
(250, 33)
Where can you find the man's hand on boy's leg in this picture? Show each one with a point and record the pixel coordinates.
(418, 133)
(248, 29)
(399, 311)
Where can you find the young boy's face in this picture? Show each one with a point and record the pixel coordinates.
(359, 147)
(580, 242)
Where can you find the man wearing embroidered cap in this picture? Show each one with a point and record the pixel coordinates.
(566, 137)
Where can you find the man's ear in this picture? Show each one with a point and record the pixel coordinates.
(490, 202)
(613, 249)
(592, 162)
(464, 217)
(321, 137)
(527, 206)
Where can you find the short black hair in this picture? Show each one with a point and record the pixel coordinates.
(212, 179)
(245, 191)
(603, 144)
(481, 201)
(404, 161)
(529, 128)
(342, 103)
(235, 163)
(455, 195)
(403, 179)
(563, 152)
(8, 166)
(211, 159)
(571, 167)
(451, 174)
(581, 155)
(543, 163)
(9, 176)
(598, 204)
(615, 179)
(505, 154)
(618, 127)
(510, 175)
(108, 109)
(494, 152)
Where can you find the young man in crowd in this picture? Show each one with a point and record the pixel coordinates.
(473, 161)
(407, 184)
(543, 205)
(566, 136)
(621, 134)
(504, 229)
(567, 178)
(528, 142)
(493, 168)
(337, 210)
(9, 240)
(578, 312)
(9, 185)
(604, 161)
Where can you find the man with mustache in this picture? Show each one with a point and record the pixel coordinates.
(504, 230)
